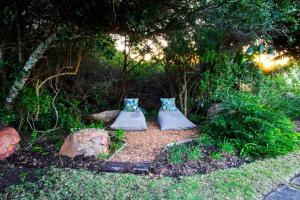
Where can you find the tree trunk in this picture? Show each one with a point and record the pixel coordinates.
(185, 94)
(19, 30)
(25, 73)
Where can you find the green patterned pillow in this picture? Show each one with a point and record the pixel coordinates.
(168, 104)
(131, 105)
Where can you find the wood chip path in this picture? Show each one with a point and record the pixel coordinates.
(144, 146)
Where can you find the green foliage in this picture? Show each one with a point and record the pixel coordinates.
(195, 118)
(34, 136)
(223, 81)
(205, 139)
(31, 103)
(58, 144)
(227, 147)
(152, 113)
(280, 91)
(256, 130)
(80, 125)
(176, 154)
(7, 116)
(195, 153)
(180, 153)
(120, 134)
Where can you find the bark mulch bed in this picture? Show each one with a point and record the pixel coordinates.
(145, 146)
(205, 164)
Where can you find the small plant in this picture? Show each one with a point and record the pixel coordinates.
(34, 136)
(100, 125)
(205, 140)
(120, 134)
(115, 145)
(216, 155)
(227, 147)
(103, 156)
(38, 149)
(195, 153)
(176, 154)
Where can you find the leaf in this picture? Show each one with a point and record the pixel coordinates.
(261, 48)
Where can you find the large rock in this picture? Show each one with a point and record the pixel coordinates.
(86, 142)
(214, 109)
(105, 116)
(9, 141)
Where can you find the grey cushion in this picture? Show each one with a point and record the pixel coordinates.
(174, 120)
(130, 121)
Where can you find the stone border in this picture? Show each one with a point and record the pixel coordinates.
(126, 167)
(185, 141)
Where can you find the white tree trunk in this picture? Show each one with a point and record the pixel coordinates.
(25, 73)
(185, 94)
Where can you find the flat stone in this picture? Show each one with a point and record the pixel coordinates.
(105, 116)
(296, 180)
(284, 193)
(126, 167)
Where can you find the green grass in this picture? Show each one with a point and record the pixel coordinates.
(250, 181)
(195, 153)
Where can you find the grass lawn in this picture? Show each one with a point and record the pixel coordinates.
(250, 181)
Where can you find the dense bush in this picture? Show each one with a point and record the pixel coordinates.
(281, 91)
(254, 129)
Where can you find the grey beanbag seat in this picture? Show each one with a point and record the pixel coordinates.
(130, 121)
(174, 120)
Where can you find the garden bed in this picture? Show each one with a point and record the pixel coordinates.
(251, 181)
(49, 157)
(167, 165)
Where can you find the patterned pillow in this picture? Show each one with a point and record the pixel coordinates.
(131, 105)
(168, 104)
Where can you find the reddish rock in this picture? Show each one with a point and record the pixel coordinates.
(86, 142)
(9, 140)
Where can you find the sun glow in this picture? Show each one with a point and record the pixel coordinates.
(269, 63)
(145, 50)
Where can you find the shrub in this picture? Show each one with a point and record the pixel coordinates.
(254, 129)
(281, 92)
(216, 155)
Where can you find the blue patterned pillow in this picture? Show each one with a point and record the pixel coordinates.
(168, 104)
(131, 105)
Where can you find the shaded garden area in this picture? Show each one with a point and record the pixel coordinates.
(69, 67)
